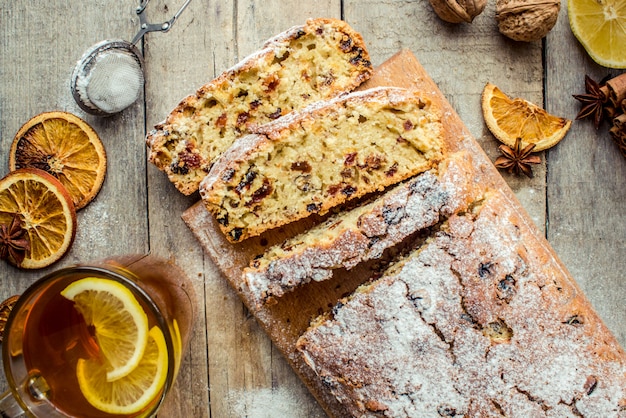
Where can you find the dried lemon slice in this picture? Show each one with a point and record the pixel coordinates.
(45, 211)
(509, 119)
(120, 323)
(600, 26)
(132, 393)
(65, 146)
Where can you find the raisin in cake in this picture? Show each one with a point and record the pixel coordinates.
(479, 322)
(319, 60)
(363, 233)
(317, 158)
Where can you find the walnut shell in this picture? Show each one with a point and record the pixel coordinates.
(526, 20)
(457, 11)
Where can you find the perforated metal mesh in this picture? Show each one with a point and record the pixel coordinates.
(108, 78)
(115, 81)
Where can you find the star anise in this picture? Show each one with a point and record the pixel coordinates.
(517, 160)
(13, 241)
(593, 101)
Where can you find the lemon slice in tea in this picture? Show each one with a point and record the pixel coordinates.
(65, 146)
(509, 119)
(133, 392)
(178, 346)
(44, 211)
(600, 26)
(120, 323)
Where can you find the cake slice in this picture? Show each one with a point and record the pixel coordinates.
(315, 61)
(480, 322)
(315, 159)
(363, 233)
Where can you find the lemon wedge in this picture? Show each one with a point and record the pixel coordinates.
(120, 323)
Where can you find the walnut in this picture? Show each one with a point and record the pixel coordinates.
(457, 11)
(526, 20)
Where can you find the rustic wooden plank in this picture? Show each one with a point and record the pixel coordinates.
(35, 78)
(586, 184)
(230, 360)
(40, 44)
(171, 74)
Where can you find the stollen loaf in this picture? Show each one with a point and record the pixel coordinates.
(478, 322)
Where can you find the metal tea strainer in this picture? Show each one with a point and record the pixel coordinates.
(109, 76)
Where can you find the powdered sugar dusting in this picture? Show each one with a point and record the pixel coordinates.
(268, 403)
(364, 233)
(473, 324)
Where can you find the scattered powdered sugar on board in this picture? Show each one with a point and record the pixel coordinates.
(269, 403)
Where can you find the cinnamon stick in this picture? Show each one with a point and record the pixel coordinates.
(605, 92)
(619, 137)
(617, 89)
(619, 122)
(611, 112)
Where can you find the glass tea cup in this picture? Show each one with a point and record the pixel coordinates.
(47, 343)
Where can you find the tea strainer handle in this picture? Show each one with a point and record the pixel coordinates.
(146, 27)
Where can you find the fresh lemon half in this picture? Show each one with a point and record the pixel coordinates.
(600, 26)
(133, 392)
(120, 323)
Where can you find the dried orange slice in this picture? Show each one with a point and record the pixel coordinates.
(65, 146)
(509, 119)
(600, 27)
(45, 212)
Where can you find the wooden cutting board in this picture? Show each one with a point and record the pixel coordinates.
(285, 321)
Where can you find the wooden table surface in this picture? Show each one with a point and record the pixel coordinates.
(231, 368)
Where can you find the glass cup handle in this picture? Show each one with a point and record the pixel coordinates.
(9, 407)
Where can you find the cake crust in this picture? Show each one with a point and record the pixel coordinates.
(476, 323)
